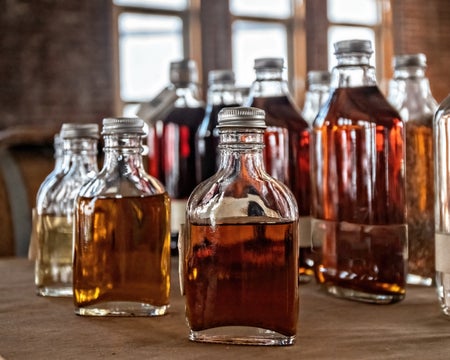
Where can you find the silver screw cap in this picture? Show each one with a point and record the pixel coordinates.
(123, 125)
(241, 117)
(75, 130)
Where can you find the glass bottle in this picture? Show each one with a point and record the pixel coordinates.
(241, 245)
(409, 92)
(441, 133)
(221, 93)
(358, 184)
(55, 208)
(286, 154)
(318, 90)
(122, 232)
(171, 141)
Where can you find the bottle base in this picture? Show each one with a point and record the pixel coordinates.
(362, 296)
(55, 291)
(241, 335)
(412, 279)
(122, 308)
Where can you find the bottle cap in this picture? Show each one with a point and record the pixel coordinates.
(405, 60)
(318, 77)
(123, 125)
(269, 63)
(221, 76)
(241, 117)
(183, 71)
(75, 130)
(353, 46)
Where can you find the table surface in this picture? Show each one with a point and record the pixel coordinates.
(34, 327)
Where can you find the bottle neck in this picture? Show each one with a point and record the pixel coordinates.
(223, 94)
(79, 152)
(269, 82)
(123, 152)
(188, 95)
(353, 70)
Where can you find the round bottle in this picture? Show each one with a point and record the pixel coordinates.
(410, 94)
(286, 153)
(358, 184)
(318, 90)
(441, 127)
(240, 251)
(55, 208)
(122, 232)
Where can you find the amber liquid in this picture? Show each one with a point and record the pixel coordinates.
(122, 251)
(286, 158)
(242, 274)
(420, 199)
(359, 194)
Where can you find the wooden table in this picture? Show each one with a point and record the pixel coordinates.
(33, 327)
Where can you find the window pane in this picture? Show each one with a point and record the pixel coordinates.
(254, 40)
(147, 44)
(338, 33)
(363, 12)
(165, 4)
(263, 8)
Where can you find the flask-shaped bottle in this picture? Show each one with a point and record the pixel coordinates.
(357, 167)
(286, 153)
(171, 141)
(441, 127)
(122, 232)
(222, 92)
(318, 90)
(410, 94)
(240, 251)
(55, 208)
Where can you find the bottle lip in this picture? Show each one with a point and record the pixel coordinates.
(269, 63)
(221, 75)
(404, 60)
(77, 130)
(353, 46)
(241, 117)
(123, 125)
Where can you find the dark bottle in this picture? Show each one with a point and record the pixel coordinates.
(239, 258)
(286, 154)
(171, 141)
(121, 241)
(221, 93)
(410, 94)
(358, 184)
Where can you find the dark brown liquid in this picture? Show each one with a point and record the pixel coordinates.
(359, 192)
(242, 275)
(122, 250)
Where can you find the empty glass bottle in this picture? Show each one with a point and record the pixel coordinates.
(221, 93)
(357, 169)
(171, 141)
(441, 126)
(318, 90)
(122, 232)
(410, 94)
(240, 255)
(286, 153)
(55, 208)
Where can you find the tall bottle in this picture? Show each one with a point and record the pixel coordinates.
(122, 232)
(286, 154)
(318, 90)
(222, 92)
(358, 184)
(171, 141)
(409, 92)
(441, 127)
(240, 256)
(55, 208)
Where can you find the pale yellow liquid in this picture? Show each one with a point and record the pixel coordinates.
(53, 273)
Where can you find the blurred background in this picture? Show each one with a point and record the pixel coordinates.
(80, 61)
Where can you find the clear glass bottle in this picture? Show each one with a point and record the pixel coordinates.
(55, 208)
(221, 93)
(441, 126)
(286, 154)
(358, 184)
(240, 256)
(410, 94)
(317, 93)
(122, 232)
(171, 141)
